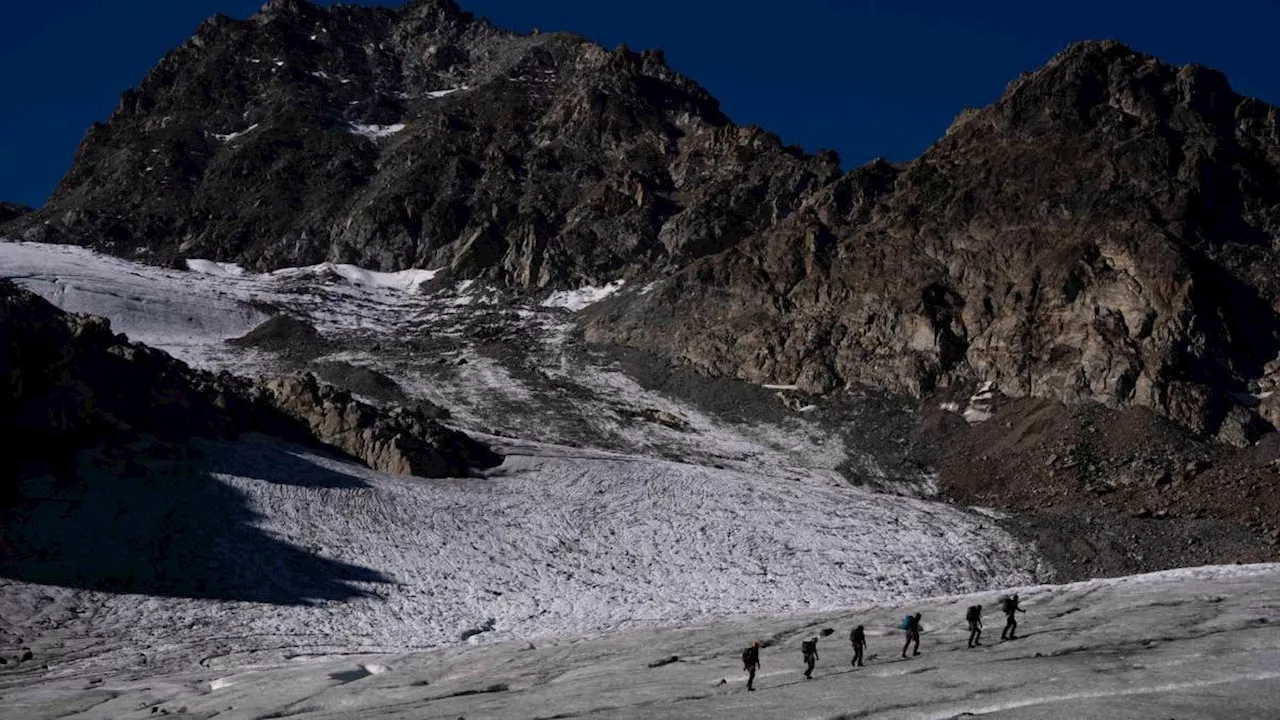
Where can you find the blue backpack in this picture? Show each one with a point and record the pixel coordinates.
(906, 622)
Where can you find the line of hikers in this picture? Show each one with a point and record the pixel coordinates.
(1009, 605)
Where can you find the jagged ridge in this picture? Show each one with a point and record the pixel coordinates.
(1104, 232)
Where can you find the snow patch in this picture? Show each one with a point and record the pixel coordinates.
(211, 267)
(326, 76)
(232, 136)
(404, 280)
(220, 683)
(575, 300)
(979, 409)
(374, 132)
(436, 94)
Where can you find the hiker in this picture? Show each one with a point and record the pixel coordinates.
(913, 634)
(751, 663)
(810, 650)
(1011, 621)
(859, 640)
(974, 616)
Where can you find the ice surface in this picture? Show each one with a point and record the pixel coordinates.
(555, 541)
(587, 554)
(190, 314)
(176, 311)
(575, 300)
(1203, 643)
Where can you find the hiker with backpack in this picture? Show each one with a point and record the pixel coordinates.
(912, 625)
(751, 663)
(974, 617)
(1010, 607)
(810, 650)
(859, 640)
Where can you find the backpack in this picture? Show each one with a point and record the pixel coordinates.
(1008, 604)
(808, 647)
(746, 657)
(972, 615)
(906, 622)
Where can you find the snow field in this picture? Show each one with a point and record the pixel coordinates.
(575, 300)
(190, 314)
(1177, 644)
(553, 542)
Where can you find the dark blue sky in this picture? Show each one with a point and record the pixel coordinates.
(865, 77)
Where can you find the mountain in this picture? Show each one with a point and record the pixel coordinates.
(419, 137)
(1104, 232)
(700, 387)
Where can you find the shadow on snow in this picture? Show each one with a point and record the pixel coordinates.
(175, 533)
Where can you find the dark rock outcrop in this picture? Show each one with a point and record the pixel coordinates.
(10, 211)
(403, 440)
(70, 384)
(285, 335)
(421, 137)
(1107, 231)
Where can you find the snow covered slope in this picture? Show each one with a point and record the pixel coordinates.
(1198, 643)
(504, 365)
(619, 507)
(554, 541)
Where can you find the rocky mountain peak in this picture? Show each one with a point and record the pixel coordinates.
(1109, 86)
(1073, 241)
(435, 8)
(285, 7)
(1106, 231)
(417, 137)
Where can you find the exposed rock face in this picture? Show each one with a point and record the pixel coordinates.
(420, 137)
(1105, 232)
(70, 383)
(402, 441)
